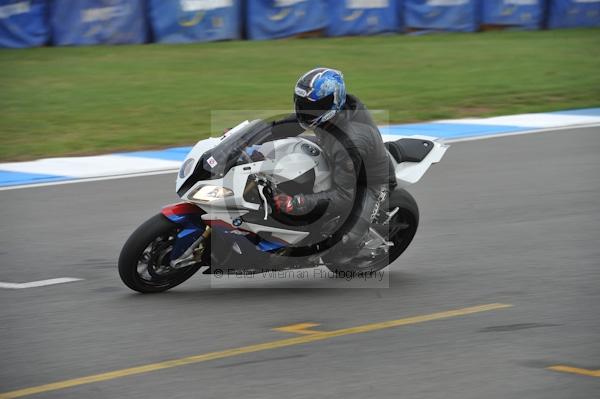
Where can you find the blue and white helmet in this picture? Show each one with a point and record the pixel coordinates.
(319, 95)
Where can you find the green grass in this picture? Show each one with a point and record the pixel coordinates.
(57, 101)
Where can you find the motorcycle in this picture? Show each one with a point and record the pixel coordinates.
(226, 220)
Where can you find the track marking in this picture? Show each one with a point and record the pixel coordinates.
(519, 133)
(300, 328)
(575, 370)
(88, 179)
(303, 339)
(40, 283)
(174, 170)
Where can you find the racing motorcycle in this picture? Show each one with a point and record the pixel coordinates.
(226, 221)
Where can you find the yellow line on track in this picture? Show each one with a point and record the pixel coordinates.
(300, 328)
(304, 339)
(575, 370)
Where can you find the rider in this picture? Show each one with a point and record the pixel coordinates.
(350, 138)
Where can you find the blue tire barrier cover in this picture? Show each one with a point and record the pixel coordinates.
(188, 21)
(24, 23)
(445, 15)
(525, 14)
(271, 19)
(87, 22)
(574, 13)
(363, 17)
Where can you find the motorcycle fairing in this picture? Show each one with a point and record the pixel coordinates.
(232, 234)
(188, 217)
(191, 219)
(410, 171)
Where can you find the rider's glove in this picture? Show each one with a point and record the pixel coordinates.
(291, 205)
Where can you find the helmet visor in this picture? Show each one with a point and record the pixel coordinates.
(308, 111)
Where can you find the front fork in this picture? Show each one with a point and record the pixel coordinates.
(193, 235)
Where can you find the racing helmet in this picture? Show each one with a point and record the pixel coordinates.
(318, 96)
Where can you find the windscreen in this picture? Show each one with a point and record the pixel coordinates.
(237, 148)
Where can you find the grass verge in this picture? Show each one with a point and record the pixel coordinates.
(62, 101)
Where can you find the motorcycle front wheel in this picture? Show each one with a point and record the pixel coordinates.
(144, 262)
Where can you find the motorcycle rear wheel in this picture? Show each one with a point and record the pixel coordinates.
(145, 257)
(401, 230)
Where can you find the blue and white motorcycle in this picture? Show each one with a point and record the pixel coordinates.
(226, 222)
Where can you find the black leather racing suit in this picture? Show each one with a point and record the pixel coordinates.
(360, 168)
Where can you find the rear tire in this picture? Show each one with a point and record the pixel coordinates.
(153, 235)
(408, 215)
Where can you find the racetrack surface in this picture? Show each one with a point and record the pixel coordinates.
(512, 220)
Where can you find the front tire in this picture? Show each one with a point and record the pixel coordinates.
(145, 257)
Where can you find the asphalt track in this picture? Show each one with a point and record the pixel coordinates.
(512, 220)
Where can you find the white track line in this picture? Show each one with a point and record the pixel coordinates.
(497, 135)
(89, 179)
(40, 283)
(162, 172)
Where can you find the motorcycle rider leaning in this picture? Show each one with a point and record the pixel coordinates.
(353, 144)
